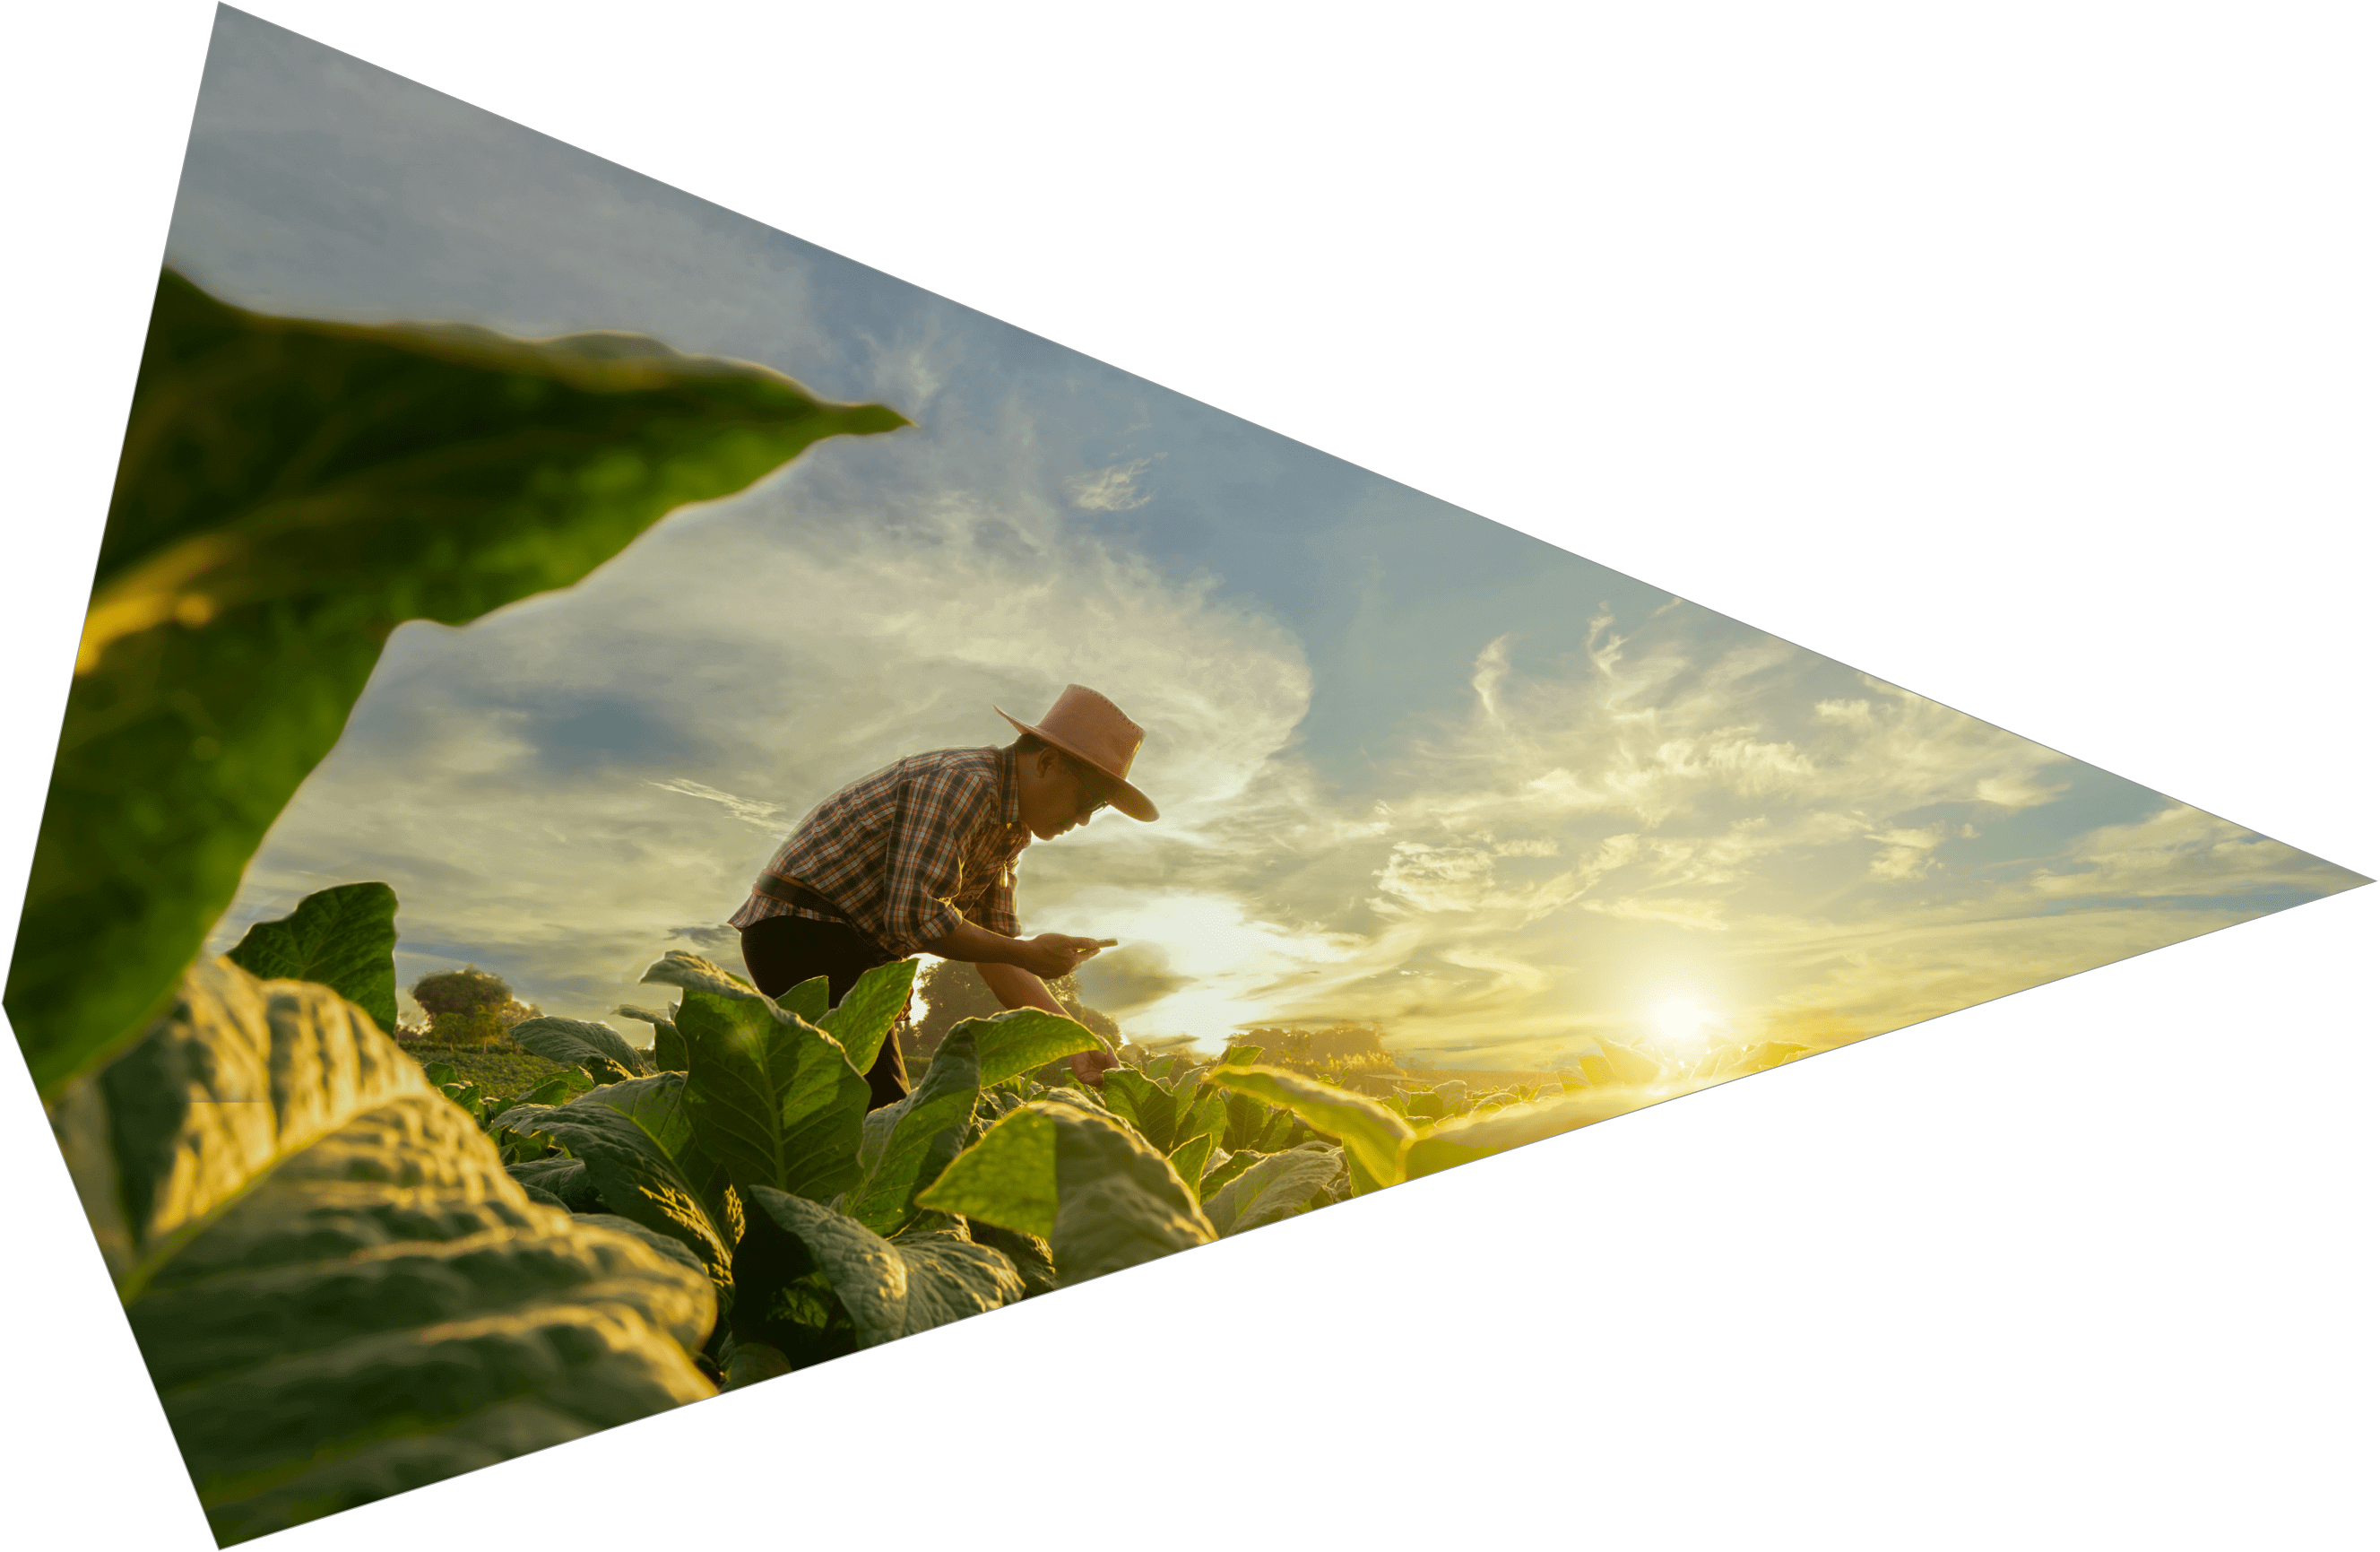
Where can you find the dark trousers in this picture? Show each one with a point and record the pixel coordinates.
(783, 951)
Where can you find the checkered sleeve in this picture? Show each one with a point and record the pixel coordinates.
(937, 813)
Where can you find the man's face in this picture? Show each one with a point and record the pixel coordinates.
(1054, 798)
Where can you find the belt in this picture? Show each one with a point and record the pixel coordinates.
(787, 891)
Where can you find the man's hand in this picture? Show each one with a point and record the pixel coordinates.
(1052, 955)
(1089, 1064)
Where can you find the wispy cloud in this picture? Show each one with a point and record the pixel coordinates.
(1115, 488)
(1487, 671)
(752, 811)
(2176, 850)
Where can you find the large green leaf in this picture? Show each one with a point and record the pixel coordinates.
(920, 1136)
(1149, 1107)
(808, 1000)
(564, 1178)
(1373, 1135)
(635, 1175)
(1460, 1142)
(772, 1098)
(1009, 1177)
(1275, 1187)
(1247, 1119)
(894, 1287)
(657, 1104)
(1222, 1171)
(1190, 1160)
(598, 1048)
(339, 1291)
(1081, 1179)
(1119, 1200)
(1202, 1111)
(290, 491)
(580, 1042)
(1024, 1040)
(669, 1051)
(1030, 1253)
(867, 1012)
(343, 939)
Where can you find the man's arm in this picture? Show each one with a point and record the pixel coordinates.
(1019, 988)
(1047, 957)
(999, 960)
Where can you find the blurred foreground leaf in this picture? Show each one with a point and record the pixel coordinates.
(1460, 1142)
(289, 493)
(339, 1291)
(1374, 1135)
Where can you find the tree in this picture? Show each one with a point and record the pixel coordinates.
(467, 1007)
(1334, 1051)
(460, 991)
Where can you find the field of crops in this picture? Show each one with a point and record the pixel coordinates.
(352, 1271)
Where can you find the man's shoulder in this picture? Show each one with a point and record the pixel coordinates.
(961, 768)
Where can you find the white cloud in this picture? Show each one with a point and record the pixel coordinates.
(1115, 488)
(768, 817)
(1487, 672)
(2180, 851)
(1696, 915)
(1906, 854)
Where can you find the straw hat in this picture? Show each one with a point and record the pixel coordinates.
(1087, 725)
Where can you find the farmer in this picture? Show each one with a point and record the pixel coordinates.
(922, 856)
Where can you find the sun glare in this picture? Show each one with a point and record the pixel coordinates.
(1680, 1020)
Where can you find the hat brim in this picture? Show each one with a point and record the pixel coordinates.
(1124, 798)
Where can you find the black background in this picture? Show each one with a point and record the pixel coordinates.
(2029, 424)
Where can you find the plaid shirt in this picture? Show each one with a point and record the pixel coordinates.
(909, 850)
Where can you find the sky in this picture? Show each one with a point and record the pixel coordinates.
(1414, 766)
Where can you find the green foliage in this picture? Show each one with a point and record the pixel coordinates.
(867, 1014)
(1272, 1188)
(580, 1042)
(335, 1285)
(469, 990)
(910, 1143)
(479, 1027)
(880, 1288)
(289, 493)
(669, 1048)
(771, 1096)
(1459, 1141)
(343, 939)
(757, 1211)
(1344, 1042)
(1345, 1054)
(501, 1071)
(954, 993)
(1372, 1135)
(1022, 1040)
